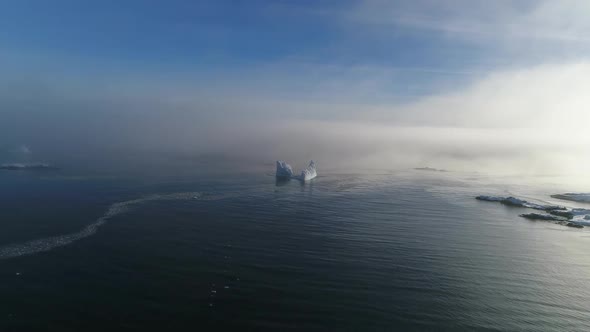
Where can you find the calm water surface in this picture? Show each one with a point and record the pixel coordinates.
(345, 252)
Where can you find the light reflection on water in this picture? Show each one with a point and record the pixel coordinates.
(408, 250)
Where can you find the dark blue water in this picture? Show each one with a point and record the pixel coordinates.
(345, 252)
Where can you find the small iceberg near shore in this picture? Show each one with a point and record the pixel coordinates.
(285, 171)
(540, 216)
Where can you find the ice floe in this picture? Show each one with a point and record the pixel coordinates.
(540, 216)
(517, 202)
(561, 215)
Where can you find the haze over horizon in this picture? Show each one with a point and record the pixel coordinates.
(294, 165)
(464, 85)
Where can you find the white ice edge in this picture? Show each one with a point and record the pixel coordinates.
(285, 170)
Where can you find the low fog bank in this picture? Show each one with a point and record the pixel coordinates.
(342, 146)
(529, 122)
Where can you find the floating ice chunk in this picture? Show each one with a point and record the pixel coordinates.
(309, 173)
(580, 211)
(284, 170)
(539, 216)
(559, 214)
(559, 220)
(562, 213)
(489, 198)
(517, 202)
(513, 201)
(581, 216)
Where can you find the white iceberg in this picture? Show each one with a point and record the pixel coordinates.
(308, 173)
(284, 170)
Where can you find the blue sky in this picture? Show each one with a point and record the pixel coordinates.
(454, 36)
(175, 74)
(223, 37)
(194, 33)
(159, 32)
(417, 47)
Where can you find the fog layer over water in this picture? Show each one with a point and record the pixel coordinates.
(523, 121)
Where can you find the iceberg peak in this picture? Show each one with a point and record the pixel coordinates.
(284, 170)
(308, 173)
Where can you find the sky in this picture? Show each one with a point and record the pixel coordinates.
(466, 85)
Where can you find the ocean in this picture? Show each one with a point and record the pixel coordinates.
(408, 250)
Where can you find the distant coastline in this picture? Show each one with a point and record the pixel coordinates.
(430, 169)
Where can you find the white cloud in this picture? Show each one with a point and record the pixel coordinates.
(544, 19)
(550, 97)
(532, 120)
(529, 118)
